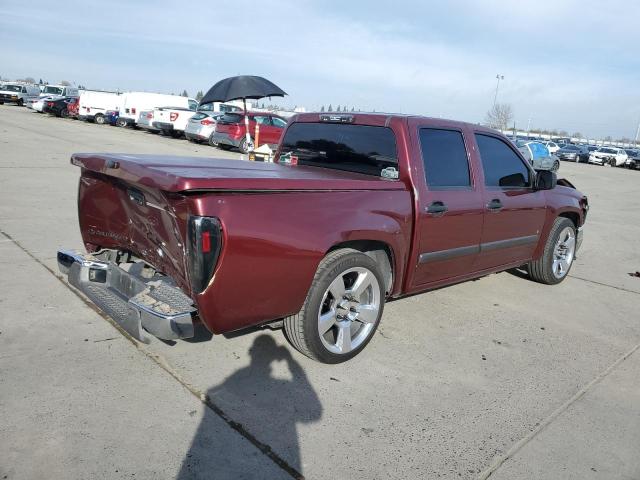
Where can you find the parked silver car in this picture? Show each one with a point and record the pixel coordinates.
(538, 155)
(201, 126)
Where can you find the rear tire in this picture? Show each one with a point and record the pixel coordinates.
(20, 103)
(556, 166)
(342, 310)
(121, 122)
(99, 119)
(559, 252)
(212, 142)
(64, 113)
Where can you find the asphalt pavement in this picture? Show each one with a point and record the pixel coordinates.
(499, 377)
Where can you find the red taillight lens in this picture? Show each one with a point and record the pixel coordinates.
(49, 104)
(204, 243)
(173, 116)
(133, 110)
(149, 116)
(207, 121)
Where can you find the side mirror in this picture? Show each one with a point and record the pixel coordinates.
(546, 180)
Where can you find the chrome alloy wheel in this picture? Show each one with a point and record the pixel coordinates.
(563, 252)
(349, 310)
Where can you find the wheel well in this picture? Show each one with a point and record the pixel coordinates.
(574, 217)
(380, 252)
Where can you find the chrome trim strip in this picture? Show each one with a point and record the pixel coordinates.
(508, 243)
(440, 255)
(451, 253)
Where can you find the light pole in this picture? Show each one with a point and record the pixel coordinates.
(495, 97)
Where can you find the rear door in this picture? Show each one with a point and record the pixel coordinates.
(450, 211)
(514, 212)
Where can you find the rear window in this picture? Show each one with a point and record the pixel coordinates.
(353, 148)
(199, 116)
(231, 118)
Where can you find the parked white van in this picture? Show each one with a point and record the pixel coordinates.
(18, 93)
(134, 103)
(59, 91)
(94, 104)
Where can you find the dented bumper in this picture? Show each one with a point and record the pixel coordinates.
(140, 305)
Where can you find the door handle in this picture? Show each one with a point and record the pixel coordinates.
(494, 204)
(437, 207)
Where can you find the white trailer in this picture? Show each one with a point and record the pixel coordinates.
(93, 105)
(134, 103)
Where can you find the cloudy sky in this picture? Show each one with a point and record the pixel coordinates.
(568, 64)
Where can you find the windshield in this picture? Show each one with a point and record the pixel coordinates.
(52, 90)
(607, 150)
(12, 88)
(354, 148)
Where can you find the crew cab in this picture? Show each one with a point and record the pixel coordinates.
(356, 209)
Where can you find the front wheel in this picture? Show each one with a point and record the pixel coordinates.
(559, 252)
(556, 166)
(212, 142)
(342, 309)
(64, 113)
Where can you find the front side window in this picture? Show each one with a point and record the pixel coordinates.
(193, 105)
(445, 158)
(502, 166)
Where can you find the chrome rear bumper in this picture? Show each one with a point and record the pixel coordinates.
(139, 305)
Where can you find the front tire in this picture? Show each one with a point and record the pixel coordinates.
(342, 310)
(121, 122)
(245, 147)
(212, 142)
(556, 166)
(559, 252)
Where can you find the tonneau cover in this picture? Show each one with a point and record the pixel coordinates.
(182, 174)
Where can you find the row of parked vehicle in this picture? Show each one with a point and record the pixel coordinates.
(546, 154)
(218, 124)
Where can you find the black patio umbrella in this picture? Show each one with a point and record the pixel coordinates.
(242, 87)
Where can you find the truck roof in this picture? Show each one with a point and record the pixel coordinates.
(378, 118)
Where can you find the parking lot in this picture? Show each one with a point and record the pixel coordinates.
(498, 377)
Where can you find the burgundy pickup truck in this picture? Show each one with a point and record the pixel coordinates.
(356, 209)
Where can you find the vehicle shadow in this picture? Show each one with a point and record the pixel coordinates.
(264, 410)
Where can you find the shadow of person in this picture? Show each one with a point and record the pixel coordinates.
(260, 403)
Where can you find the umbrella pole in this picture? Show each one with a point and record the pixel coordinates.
(246, 124)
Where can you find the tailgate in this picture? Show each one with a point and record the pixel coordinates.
(123, 215)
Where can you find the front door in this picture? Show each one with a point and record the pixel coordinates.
(450, 213)
(514, 210)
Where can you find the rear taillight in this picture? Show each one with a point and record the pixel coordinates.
(173, 116)
(204, 243)
(133, 110)
(50, 104)
(149, 115)
(207, 121)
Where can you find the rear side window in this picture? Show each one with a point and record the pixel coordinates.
(278, 122)
(445, 158)
(354, 148)
(502, 167)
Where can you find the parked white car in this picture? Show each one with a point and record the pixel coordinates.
(552, 147)
(134, 103)
(95, 104)
(145, 121)
(613, 156)
(18, 93)
(38, 103)
(201, 127)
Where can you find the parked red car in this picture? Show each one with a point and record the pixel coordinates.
(358, 209)
(231, 130)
